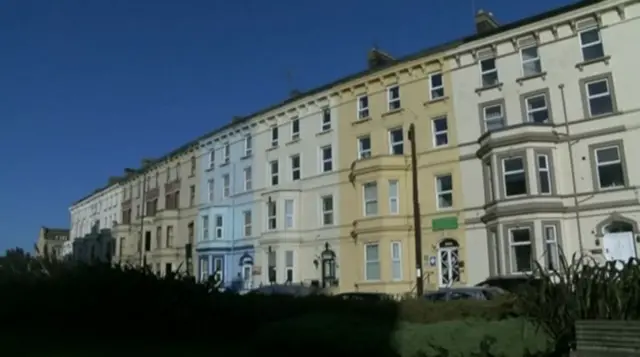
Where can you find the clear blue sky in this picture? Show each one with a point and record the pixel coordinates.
(88, 87)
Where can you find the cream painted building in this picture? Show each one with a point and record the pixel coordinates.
(377, 241)
(296, 151)
(548, 119)
(159, 208)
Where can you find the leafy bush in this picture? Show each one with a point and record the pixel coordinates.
(581, 290)
(124, 309)
(420, 311)
(471, 337)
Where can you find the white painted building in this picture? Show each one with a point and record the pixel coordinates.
(548, 118)
(296, 148)
(92, 214)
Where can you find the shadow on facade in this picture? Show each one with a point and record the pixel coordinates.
(95, 247)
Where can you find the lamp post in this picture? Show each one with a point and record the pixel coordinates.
(417, 224)
(328, 258)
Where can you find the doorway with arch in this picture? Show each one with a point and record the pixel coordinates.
(618, 238)
(448, 262)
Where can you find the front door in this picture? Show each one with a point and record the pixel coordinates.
(449, 266)
(619, 247)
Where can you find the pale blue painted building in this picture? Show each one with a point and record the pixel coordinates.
(227, 215)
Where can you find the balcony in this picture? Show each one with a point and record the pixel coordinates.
(516, 134)
(376, 224)
(380, 163)
(525, 205)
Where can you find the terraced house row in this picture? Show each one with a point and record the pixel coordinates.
(524, 142)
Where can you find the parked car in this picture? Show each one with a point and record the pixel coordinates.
(364, 296)
(297, 290)
(511, 283)
(464, 293)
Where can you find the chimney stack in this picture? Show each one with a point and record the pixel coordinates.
(377, 58)
(485, 22)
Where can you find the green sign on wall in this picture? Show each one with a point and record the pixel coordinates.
(445, 223)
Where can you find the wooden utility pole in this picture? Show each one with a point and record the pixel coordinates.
(417, 218)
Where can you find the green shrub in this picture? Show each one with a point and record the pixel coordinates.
(511, 337)
(581, 290)
(422, 311)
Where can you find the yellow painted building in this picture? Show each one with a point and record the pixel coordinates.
(377, 247)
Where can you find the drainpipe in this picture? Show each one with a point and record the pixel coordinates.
(576, 202)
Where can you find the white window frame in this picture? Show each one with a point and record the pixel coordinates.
(433, 90)
(205, 227)
(516, 172)
(364, 153)
(440, 193)
(326, 119)
(327, 213)
(289, 213)
(439, 133)
(226, 186)
(324, 160)
(366, 201)
(599, 95)
(295, 132)
(608, 163)
(275, 136)
(396, 261)
(546, 170)
(248, 145)
(512, 269)
(247, 223)
(524, 61)
(212, 159)
(272, 216)
(394, 199)
(393, 103)
(227, 153)
(502, 116)
(204, 268)
(248, 178)
(219, 226)
(362, 111)
(274, 175)
(295, 169)
(368, 261)
(211, 186)
(530, 111)
(393, 144)
(490, 71)
(590, 44)
(551, 246)
(288, 268)
(218, 261)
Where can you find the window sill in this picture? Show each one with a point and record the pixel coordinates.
(324, 132)
(583, 64)
(392, 112)
(191, 176)
(272, 148)
(436, 100)
(482, 89)
(612, 189)
(523, 79)
(246, 156)
(602, 116)
(224, 164)
(209, 169)
(293, 141)
(361, 120)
